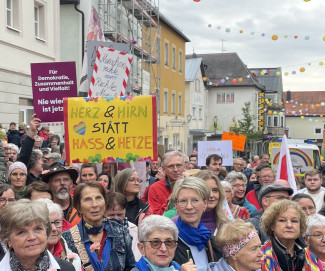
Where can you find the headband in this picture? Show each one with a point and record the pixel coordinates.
(231, 249)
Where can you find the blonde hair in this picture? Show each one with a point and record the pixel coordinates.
(220, 216)
(271, 214)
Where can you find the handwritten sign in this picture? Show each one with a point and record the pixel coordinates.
(238, 141)
(51, 82)
(111, 73)
(111, 129)
(92, 47)
(222, 148)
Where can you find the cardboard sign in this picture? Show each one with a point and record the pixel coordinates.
(222, 148)
(111, 73)
(51, 82)
(111, 129)
(238, 141)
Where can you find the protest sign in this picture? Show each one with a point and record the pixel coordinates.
(222, 148)
(110, 129)
(111, 73)
(51, 82)
(238, 141)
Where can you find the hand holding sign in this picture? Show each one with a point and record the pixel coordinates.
(111, 71)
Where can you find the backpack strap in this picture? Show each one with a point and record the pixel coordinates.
(86, 264)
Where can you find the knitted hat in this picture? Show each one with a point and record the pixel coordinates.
(271, 188)
(16, 165)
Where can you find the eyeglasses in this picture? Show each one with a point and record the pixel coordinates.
(277, 197)
(4, 200)
(135, 180)
(57, 223)
(16, 174)
(238, 164)
(240, 185)
(7, 149)
(309, 208)
(317, 235)
(178, 166)
(183, 202)
(267, 176)
(64, 180)
(157, 243)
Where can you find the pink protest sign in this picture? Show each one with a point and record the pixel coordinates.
(111, 72)
(51, 82)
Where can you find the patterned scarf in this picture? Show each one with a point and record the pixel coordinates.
(42, 263)
(270, 261)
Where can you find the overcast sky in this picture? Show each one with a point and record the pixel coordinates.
(205, 24)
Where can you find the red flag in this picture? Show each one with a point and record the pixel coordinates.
(285, 169)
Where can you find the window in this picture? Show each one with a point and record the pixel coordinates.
(13, 14)
(174, 58)
(197, 84)
(318, 131)
(166, 53)
(269, 121)
(200, 113)
(193, 112)
(39, 21)
(275, 121)
(179, 104)
(173, 103)
(26, 110)
(180, 61)
(175, 141)
(282, 121)
(166, 101)
(225, 97)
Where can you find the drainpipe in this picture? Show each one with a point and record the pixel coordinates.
(82, 30)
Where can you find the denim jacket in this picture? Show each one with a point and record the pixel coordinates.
(121, 255)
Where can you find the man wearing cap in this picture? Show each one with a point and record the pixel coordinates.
(61, 179)
(50, 159)
(13, 135)
(269, 193)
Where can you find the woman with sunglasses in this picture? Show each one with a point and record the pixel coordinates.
(157, 243)
(127, 182)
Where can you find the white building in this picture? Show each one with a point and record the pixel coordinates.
(29, 33)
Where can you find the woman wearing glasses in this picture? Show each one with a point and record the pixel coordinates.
(7, 195)
(100, 243)
(306, 203)
(18, 176)
(191, 195)
(238, 183)
(158, 241)
(127, 182)
(56, 243)
(315, 237)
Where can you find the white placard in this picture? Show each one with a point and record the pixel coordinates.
(222, 148)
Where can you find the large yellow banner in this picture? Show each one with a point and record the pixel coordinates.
(110, 129)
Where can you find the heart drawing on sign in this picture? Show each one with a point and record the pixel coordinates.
(80, 128)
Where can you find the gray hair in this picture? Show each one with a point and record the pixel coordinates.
(194, 183)
(226, 184)
(51, 206)
(21, 213)
(156, 223)
(13, 147)
(34, 157)
(172, 154)
(121, 180)
(39, 137)
(315, 220)
(233, 176)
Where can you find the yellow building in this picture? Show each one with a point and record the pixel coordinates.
(170, 76)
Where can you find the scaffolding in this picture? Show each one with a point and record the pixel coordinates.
(136, 22)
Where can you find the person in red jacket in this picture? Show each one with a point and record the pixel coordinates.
(159, 192)
(266, 177)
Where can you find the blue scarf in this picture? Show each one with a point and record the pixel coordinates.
(193, 236)
(97, 265)
(142, 265)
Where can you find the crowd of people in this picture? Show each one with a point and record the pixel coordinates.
(55, 216)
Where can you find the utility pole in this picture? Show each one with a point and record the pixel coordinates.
(222, 49)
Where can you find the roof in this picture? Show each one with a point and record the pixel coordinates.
(271, 79)
(304, 103)
(219, 66)
(192, 66)
(164, 19)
